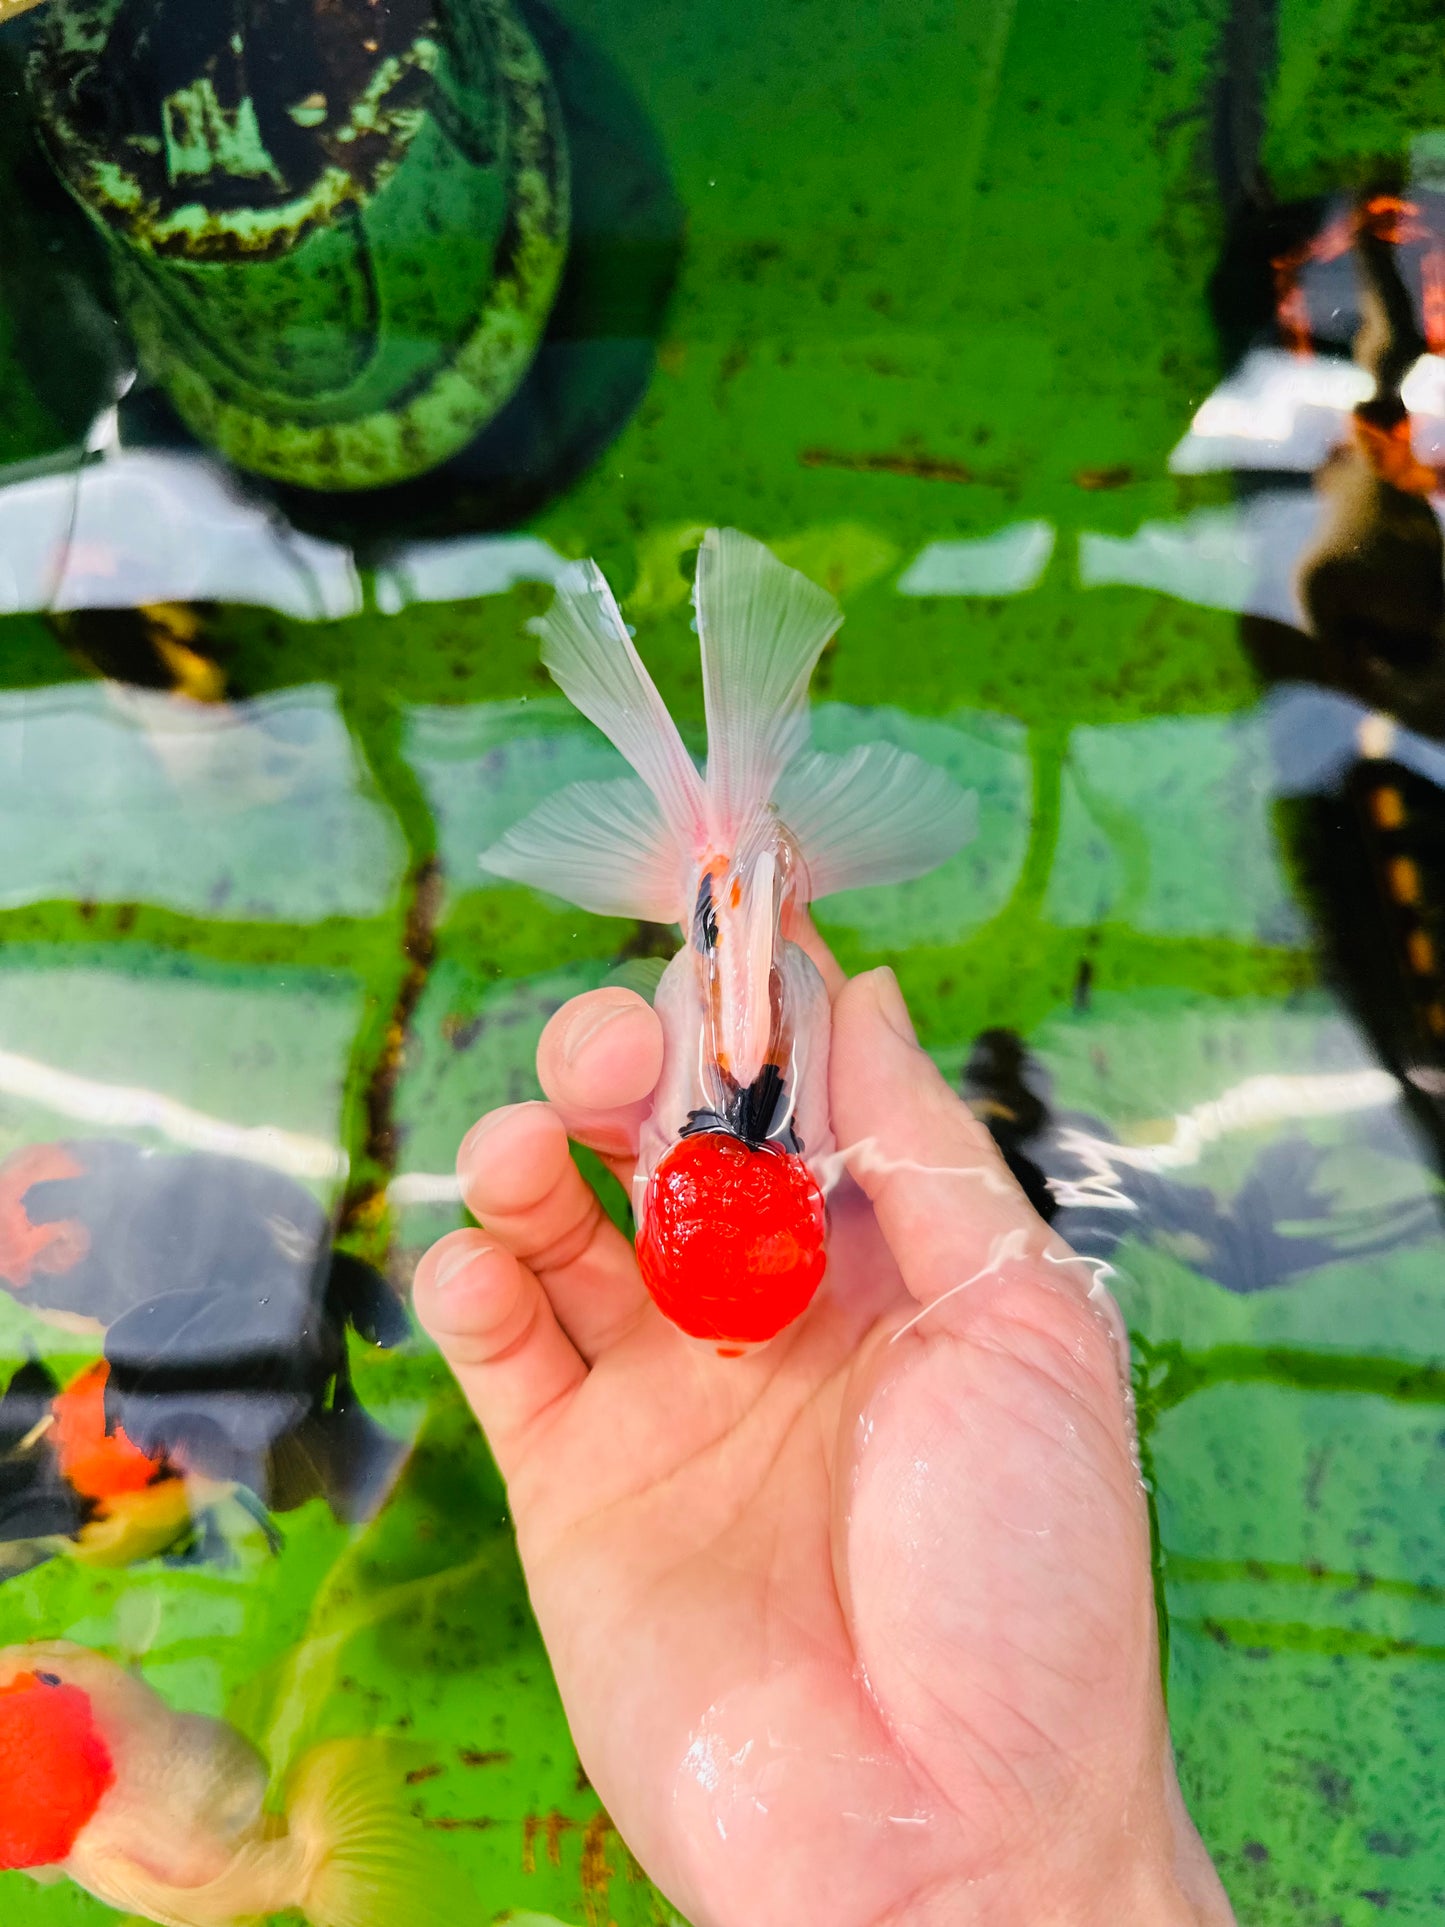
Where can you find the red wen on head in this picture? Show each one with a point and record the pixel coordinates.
(54, 1770)
(733, 1239)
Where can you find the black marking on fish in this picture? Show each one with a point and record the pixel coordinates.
(757, 1113)
(704, 916)
(37, 1502)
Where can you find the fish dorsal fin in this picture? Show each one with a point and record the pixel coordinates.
(763, 627)
(875, 815)
(591, 658)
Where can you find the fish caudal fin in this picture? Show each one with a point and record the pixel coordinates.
(366, 1862)
(588, 650)
(602, 846)
(876, 815)
(763, 627)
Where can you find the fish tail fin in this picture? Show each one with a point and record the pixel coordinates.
(616, 848)
(589, 652)
(763, 627)
(344, 1456)
(366, 1863)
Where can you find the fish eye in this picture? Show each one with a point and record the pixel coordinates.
(48, 1679)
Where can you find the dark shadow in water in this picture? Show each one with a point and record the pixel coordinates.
(596, 355)
(1277, 1225)
(592, 367)
(1257, 229)
(66, 352)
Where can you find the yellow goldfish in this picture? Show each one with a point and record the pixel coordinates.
(163, 1814)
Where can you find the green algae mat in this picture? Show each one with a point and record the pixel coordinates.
(944, 301)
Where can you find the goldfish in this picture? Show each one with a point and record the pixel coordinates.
(70, 1483)
(736, 1155)
(163, 1814)
(73, 1481)
(222, 1308)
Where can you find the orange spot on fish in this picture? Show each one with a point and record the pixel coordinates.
(55, 1769)
(1387, 806)
(100, 1465)
(1391, 456)
(1404, 880)
(27, 1248)
(1421, 953)
(1388, 218)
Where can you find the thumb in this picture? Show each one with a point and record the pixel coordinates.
(944, 1198)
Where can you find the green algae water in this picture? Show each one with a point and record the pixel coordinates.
(1028, 328)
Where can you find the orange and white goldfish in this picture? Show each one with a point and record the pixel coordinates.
(732, 1173)
(67, 1483)
(163, 1814)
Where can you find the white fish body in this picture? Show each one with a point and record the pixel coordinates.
(182, 1836)
(734, 854)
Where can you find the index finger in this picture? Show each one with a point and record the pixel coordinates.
(599, 1060)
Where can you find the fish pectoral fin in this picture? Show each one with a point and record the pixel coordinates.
(876, 815)
(603, 846)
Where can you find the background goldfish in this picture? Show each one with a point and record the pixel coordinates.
(223, 1313)
(163, 1813)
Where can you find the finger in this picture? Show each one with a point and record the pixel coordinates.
(517, 1177)
(599, 1060)
(804, 932)
(944, 1198)
(496, 1330)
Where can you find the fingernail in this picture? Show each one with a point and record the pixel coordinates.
(453, 1263)
(581, 1033)
(891, 1007)
(472, 1143)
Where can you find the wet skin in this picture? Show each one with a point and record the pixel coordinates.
(858, 1628)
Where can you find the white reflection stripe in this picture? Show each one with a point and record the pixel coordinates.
(1248, 1105)
(127, 1106)
(425, 1187)
(1008, 562)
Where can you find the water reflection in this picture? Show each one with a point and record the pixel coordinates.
(147, 526)
(248, 923)
(421, 260)
(257, 810)
(1279, 1208)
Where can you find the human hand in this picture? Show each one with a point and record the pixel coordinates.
(858, 1629)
